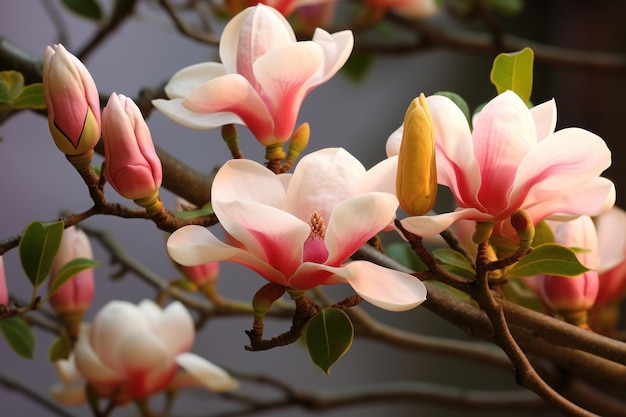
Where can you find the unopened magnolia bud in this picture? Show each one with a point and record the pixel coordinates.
(524, 226)
(132, 166)
(416, 180)
(265, 297)
(202, 274)
(72, 102)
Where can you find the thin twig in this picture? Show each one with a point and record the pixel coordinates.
(32, 394)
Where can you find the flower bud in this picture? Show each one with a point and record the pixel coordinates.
(72, 101)
(4, 292)
(416, 180)
(571, 297)
(74, 297)
(265, 297)
(132, 166)
(523, 225)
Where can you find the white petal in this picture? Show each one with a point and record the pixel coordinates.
(205, 373)
(188, 78)
(432, 225)
(175, 110)
(69, 394)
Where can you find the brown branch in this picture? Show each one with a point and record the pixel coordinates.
(185, 29)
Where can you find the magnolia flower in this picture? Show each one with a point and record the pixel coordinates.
(134, 351)
(132, 166)
(72, 101)
(611, 227)
(264, 76)
(573, 296)
(513, 159)
(297, 230)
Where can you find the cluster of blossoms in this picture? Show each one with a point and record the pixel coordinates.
(298, 230)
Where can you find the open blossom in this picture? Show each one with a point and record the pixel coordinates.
(611, 227)
(132, 166)
(72, 102)
(262, 80)
(134, 351)
(297, 230)
(513, 159)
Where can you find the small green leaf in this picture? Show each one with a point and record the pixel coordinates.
(69, 270)
(549, 259)
(459, 101)
(543, 234)
(11, 83)
(514, 71)
(89, 9)
(358, 65)
(205, 210)
(402, 253)
(19, 336)
(60, 349)
(38, 247)
(328, 337)
(453, 261)
(507, 7)
(31, 97)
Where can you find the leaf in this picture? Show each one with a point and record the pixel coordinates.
(11, 83)
(19, 336)
(402, 253)
(358, 65)
(514, 71)
(38, 247)
(549, 259)
(69, 270)
(60, 349)
(31, 97)
(453, 261)
(507, 7)
(89, 9)
(328, 337)
(205, 210)
(459, 101)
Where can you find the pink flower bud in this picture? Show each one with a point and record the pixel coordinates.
(72, 101)
(571, 296)
(76, 294)
(132, 166)
(202, 274)
(4, 292)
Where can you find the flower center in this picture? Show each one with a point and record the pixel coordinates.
(315, 247)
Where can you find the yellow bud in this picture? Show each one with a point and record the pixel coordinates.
(416, 180)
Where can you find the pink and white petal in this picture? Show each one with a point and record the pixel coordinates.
(175, 110)
(544, 116)
(322, 180)
(232, 93)
(245, 181)
(611, 245)
(140, 352)
(89, 364)
(457, 167)
(187, 79)
(176, 328)
(282, 75)
(66, 370)
(354, 221)
(503, 135)
(385, 288)
(392, 146)
(310, 275)
(272, 235)
(432, 225)
(559, 163)
(381, 177)
(69, 394)
(337, 49)
(195, 245)
(199, 371)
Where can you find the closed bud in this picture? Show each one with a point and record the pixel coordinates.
(132, 166)
(523, 225)
(72, 102)
(74, 297)
(416, 180)
(265, 297)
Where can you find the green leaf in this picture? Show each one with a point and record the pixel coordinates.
(11, 83)
(205, 210)
(19, 336)
(328, 337)
(549, 259)
(514, 71)
(38, 247)
(459, 101)
(60, 348)
(402, 253)
(358, 65)
(507, 7)
(69, 270)
(89, 9)
(453, 261)
(31, 97)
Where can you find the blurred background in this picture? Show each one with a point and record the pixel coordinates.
(37, 183)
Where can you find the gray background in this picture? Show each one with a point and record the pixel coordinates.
(38, 183)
